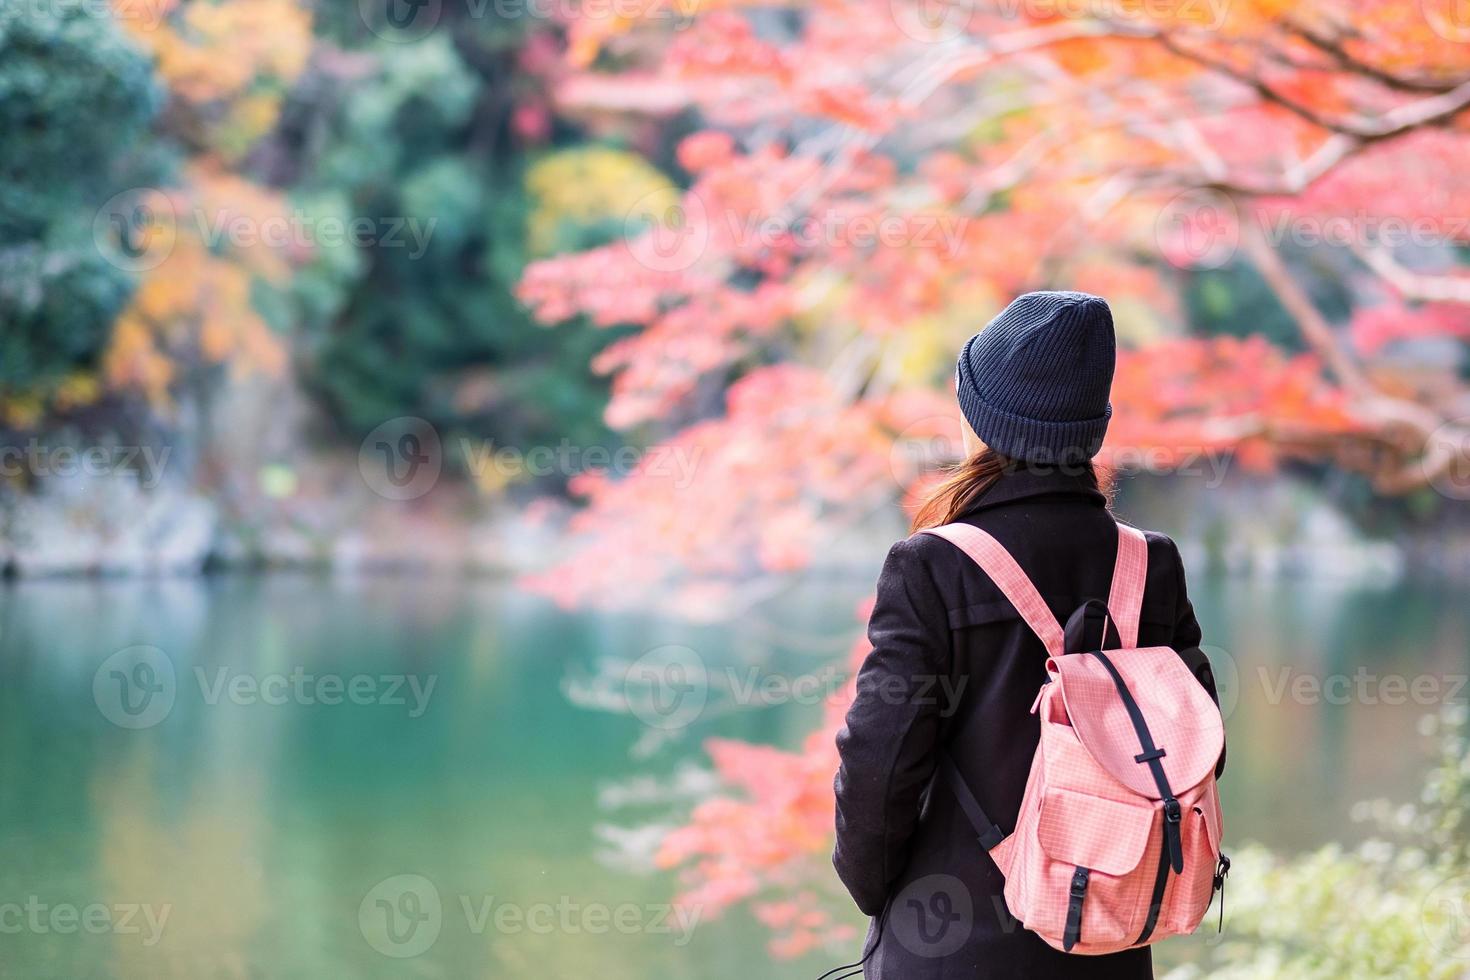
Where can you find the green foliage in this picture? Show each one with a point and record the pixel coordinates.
(1235, 301)
(57, 307)
(74, 94)
(428, 326)
(1395, 907)
(74, 97)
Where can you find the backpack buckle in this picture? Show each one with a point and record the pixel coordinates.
(1171, 810)
(1079, 884)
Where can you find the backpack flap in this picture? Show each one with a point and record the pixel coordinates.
(1184, 723)
(1092, 832)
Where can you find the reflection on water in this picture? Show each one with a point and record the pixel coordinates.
(392, 777)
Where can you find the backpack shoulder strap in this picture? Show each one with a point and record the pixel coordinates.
(1125, 599)
(997, 563)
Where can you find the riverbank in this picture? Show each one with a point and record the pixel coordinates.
(325, 517)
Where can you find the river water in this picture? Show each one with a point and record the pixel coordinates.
(291, 776)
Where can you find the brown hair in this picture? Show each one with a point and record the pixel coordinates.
(971, 478)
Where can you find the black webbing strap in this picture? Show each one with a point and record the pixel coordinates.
(1151, 755)
(1090, 627)
(990, 834)
(1075, 896)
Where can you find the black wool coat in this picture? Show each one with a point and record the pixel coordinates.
(953, 668)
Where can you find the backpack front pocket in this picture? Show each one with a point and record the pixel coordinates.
(1106, 837)
(1190, 894)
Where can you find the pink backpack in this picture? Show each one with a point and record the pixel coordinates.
(1117, 843)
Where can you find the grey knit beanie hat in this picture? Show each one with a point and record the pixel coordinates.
(1034, 383)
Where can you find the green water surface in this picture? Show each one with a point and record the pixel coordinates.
(500, 822)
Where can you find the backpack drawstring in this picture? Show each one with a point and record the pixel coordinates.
(1222, 871)
(857, 967)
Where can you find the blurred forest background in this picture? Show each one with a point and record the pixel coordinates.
(240, 237)
(666, 294)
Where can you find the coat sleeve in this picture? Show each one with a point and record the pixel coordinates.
(887, 746)
(1186, 628)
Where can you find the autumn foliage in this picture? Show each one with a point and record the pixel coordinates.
(874, 179)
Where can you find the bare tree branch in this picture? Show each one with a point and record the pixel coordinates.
(1309, 320)
(1410, 284)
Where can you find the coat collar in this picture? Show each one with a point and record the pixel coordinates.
(1030, 480)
